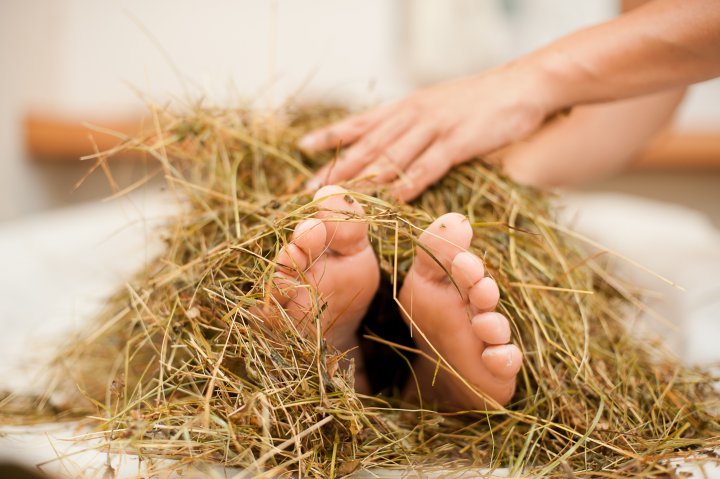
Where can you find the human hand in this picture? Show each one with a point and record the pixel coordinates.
(412, 143)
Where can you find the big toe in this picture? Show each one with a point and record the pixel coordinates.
(344, 219)
(440, 243)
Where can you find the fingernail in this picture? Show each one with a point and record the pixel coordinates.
(313, 184)
(307, 142)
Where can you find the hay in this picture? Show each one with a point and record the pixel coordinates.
(179, 368)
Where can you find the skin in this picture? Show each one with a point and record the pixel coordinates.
(332, 254)
(594, 141)
(656, 49)
(574, 148)
(623, 79)
(457, 319)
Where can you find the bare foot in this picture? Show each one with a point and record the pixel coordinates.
(458, 320)
(330, 266)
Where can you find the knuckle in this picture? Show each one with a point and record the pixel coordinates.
(416, 102)
(371, 147)
(360, 123)
(413, 110)
(418, 170)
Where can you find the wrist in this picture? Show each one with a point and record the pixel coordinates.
(553, 80)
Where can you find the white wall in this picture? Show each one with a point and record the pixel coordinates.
(84, 58)
(218, 46)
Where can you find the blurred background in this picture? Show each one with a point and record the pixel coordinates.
(65, 62)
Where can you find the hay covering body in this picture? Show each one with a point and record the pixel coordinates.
(179, 368)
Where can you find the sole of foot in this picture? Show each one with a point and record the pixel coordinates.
(329, 269)
(458, 321)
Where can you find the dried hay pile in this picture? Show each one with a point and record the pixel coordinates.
(178, 368)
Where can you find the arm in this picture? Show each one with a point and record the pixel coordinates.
(594, 140)
(661, 45)
(415, 141)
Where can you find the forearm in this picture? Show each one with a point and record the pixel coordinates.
(661, 45)
(411, 143)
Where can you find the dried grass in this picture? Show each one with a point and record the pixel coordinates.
(178, 367)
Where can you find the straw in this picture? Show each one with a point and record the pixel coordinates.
(180, 366)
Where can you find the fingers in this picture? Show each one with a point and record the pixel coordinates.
(395, 159)
(387, 143)
(432, 165)
(408, 157)
(372, 145)
(419, 138)
(344, 132)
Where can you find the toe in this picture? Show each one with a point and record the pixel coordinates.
(347, 232)
(291, 261)
(284, 287)
(467, 269)
(444, 239)
(308, 241)
(503, 361)
(289, 265)
(310, 236)
(491, 328)
(485, 294)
